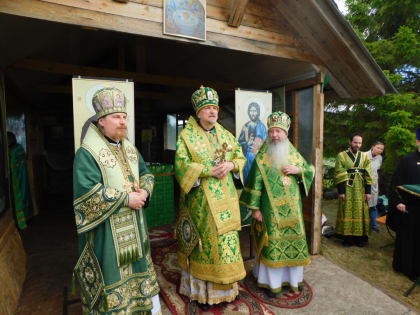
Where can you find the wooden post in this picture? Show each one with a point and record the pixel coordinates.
(317, 144)
(295, 113)
(237, 12)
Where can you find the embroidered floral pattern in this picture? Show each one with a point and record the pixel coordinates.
(96, 206)
(147, 182)
(134, 293)
(107, 158)
(111, 194)
(88, 273)
(131, 154)
(225, 215)
(286, 180)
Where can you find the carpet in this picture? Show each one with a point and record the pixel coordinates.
(252, 299)
(161, 236)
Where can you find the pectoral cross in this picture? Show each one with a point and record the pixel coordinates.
(220, 154)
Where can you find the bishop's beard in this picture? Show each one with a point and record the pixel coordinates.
(278, 153)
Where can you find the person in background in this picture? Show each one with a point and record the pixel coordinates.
(19, 174)
(375, 157)
(353, 177)
(404, 202)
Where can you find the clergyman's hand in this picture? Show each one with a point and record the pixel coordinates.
(291, 170)
(257, 215)
(401, 207)
(221, 170)
(136, 200)
(342, 196)
(368, 197)
(143, 193)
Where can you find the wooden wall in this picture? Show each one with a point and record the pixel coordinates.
(261, 31)
(12, 265)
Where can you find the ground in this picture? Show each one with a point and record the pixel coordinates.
(51, 246)
(372, 263)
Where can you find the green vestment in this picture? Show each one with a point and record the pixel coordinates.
(353, 213)
(280, 239)
(213, 206)
(115, 269)
(21, 192)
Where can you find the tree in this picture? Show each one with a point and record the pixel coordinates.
(390, 29)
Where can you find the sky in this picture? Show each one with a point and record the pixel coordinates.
(341, 6)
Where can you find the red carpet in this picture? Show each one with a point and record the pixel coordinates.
(252, 301)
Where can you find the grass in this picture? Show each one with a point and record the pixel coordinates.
(372, 263)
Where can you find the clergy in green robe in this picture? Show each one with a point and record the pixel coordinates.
(22, 200)
(278, 180)
(112, 186)
(353, 177)
(207, 160)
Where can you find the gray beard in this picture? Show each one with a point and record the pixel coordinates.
(278, 153)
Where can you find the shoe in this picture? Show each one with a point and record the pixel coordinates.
(204, 307)
(269, 293)
(237, 298)
(376, 229)
(286, 287)
(301, 287)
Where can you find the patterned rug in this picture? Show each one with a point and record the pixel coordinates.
(161, 236)
(252, 299)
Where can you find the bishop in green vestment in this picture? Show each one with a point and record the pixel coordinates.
(278, 179)
(353, 177)
(112, 186)
(207, 160)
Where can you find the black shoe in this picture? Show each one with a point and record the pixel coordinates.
(204, 307)
(301, 287)
(238, 297)
(269, 293)
(286, 287)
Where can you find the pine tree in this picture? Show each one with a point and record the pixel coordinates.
(390, 29)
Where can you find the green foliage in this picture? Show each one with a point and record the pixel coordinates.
(390, 29)
(381, 19)
(399, 141)
(328, 174)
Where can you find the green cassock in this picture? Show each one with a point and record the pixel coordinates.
(280, 239)
(209, 220)
(353, 213)
(21, 192)
(115, 269)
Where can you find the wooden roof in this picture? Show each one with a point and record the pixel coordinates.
(275, 43)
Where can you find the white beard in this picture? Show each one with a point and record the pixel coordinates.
(278, 153)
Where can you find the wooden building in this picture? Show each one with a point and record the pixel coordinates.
(289, 46)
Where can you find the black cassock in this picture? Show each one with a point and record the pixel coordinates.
(407, 243)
